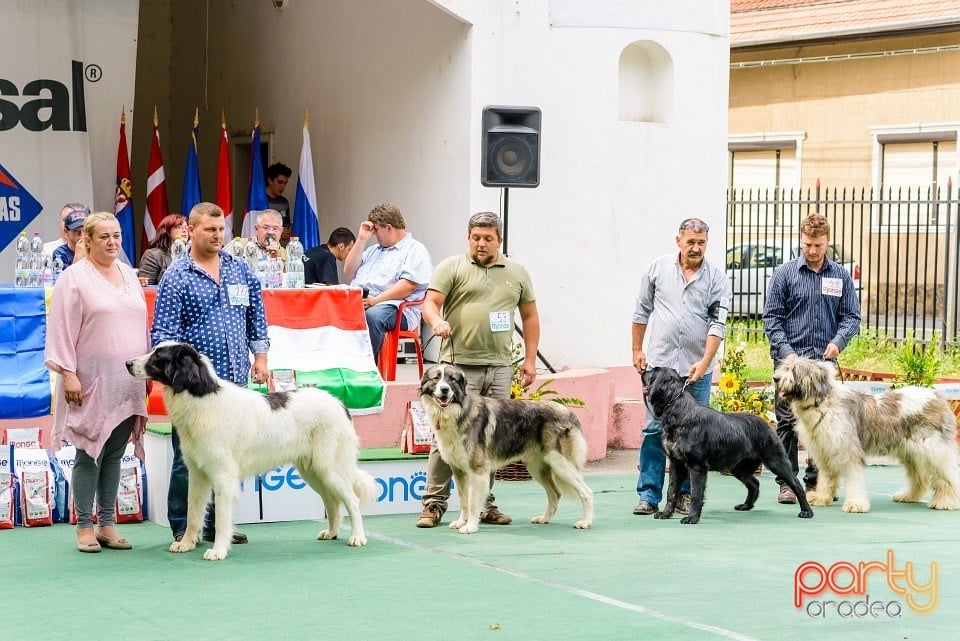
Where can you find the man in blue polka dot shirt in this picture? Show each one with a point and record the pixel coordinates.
(211, 301)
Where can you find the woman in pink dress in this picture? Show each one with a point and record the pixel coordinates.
(97, 321)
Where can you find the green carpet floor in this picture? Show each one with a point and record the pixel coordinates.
(629, 578)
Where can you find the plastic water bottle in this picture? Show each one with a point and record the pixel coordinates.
(36, 261)
(274, 273)
(294, 277)
(21, 275)
(252, 253)
(178, 249)
(237, 248)
(46, 270)
(56, 267)
(260, 269)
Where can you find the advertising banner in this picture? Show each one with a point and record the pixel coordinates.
(68, 70)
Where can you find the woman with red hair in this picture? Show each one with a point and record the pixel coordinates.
(156, 259)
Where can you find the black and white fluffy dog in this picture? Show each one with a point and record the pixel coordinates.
(698, 439)
(840, 426)
(476, 435)
(228, 432)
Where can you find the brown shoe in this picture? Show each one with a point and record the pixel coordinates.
(493, 516)
(683, 505)
(786, 496)
(430, 516)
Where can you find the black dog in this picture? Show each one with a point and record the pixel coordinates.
(698, 439)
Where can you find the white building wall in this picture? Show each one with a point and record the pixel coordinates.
(396, 90)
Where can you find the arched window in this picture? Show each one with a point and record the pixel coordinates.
(646, 83)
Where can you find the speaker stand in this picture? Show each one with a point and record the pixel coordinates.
(506, 213)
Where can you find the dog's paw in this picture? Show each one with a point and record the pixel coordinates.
(583, 524)
(469, 529)
(327, 535)
(182, 546)
(906, 496)
(540, 519)
(663, 514)
(743, 507)
(356, 541)
(690, 520)
(456, 525)
(819, 500)
(943, 504)
(213, 554)
(805, 514)
(854, 506)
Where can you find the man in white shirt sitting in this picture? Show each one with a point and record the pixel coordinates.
(395, 269)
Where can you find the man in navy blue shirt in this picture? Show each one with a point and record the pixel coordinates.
(211, 301)
(320, 263)
(812, 309)
(72, 232)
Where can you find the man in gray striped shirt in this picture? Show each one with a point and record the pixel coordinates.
(812, 310)
(683, 301)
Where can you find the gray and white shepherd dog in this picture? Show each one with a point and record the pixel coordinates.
(698, 439)
(228, 433)
(841, 427)
(477, 435)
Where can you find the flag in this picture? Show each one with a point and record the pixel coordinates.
(224, 186)
(123, 199)
(24, 381)
(324, 339)
(305, 223)
(157, 207)
(191, 176)
(257, 194)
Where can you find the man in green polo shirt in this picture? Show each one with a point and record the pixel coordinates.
(470, 305)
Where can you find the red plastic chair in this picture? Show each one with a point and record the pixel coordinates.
(387, 361)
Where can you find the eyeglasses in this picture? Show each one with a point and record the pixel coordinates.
(271, 227)
(695, 225)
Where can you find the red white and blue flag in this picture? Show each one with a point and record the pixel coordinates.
(123, 199)
(305, 222)
(257, 194)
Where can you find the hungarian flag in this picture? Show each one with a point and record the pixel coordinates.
(257, 194)
(305, 224)
(123, 199)
(191, 175)
(324, 340)
(157, 207)
(224, 184)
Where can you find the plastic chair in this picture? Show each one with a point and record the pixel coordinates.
(387, 361)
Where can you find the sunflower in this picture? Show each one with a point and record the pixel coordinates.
(729, 384)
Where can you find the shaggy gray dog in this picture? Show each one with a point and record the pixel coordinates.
(841, 427)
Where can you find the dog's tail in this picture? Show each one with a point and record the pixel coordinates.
(365, 487)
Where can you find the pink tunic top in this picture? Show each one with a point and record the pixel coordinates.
(93, 328)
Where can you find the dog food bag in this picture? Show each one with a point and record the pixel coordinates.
(283, 380)
(59, 489)
(8, 489)
(36, 480)
(64, 458)
(130, 494)
(417, 431)
(30, 437)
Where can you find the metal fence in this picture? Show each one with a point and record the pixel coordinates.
(901, 247)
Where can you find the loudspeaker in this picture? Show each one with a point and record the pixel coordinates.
(511, 147)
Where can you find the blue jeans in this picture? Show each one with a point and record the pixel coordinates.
(177, 494)
(381, 319)
(653, 458)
